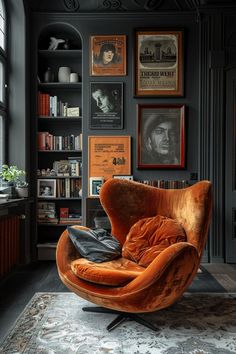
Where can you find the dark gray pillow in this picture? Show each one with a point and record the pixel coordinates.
(95, 245)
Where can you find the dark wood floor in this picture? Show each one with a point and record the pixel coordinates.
(20, 285)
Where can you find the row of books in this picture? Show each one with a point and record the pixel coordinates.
(167, 184)
(47, 141)
(51, 106)
(47, 215)
(68, 188)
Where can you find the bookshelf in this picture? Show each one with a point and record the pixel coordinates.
(59, 139)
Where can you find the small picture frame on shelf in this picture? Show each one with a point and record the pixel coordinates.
(106, 105)
(95, 184)
(46, 188)
(108, 55)
(161, 136)
(127, 177)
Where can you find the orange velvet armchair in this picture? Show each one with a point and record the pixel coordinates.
(165, 279)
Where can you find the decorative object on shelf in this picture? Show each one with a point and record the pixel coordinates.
(67, 44)
(106, 109)
(73, 111)
(48, 75)
(64, 74)
(108, 55)
(159, 63)
(109, 155)
(74, 77)
(54, 43)
(95, 184)
(46, 188)
(161, 136)
(71, 5)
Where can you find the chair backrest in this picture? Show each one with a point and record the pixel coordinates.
(126, 202)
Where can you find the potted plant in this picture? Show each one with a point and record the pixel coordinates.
(11, 177)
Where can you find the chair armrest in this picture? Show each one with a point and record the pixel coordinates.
(189, 260)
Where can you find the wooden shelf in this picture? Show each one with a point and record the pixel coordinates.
(63, 151)
(59, 85)
(70, 53)
(57, 225)
(57, 177)
(59, 118)
(57, 198)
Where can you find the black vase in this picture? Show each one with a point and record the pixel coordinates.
(48, 75)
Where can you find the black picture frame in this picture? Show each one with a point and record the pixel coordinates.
(106, 105)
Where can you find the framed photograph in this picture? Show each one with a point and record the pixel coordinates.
(158, 63)
(128, 177)
(108, 55)
(95, 184)
(109, 156)
(106, 105)
(46, 188)
(161, 136)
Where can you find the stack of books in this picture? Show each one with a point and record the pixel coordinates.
(47, 213)
(70, 216)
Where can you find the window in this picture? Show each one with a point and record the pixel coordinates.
(3, 60)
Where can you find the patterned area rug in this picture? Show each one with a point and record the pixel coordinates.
(55, 323)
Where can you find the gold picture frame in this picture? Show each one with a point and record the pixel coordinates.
(108, 55)
(158, 63)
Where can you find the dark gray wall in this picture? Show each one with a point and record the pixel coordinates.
(208, 28)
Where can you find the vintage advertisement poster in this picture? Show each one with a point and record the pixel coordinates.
(108, 55)
(109, 155)
(158, 63)
(106, 108)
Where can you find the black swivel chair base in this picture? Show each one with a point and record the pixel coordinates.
(122, 316)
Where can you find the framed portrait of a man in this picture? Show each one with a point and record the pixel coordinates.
(161, 136)
(158, 63)
(106, 105)
(108, 55)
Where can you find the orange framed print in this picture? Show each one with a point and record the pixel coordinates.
(109, 156)
(158, 63)
(108, 55)
(161, 136)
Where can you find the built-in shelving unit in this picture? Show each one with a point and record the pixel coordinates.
(56, 133)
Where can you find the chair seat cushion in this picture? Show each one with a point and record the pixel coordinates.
(149, 237)
(117, 272)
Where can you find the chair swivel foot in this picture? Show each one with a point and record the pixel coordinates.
(122, 316)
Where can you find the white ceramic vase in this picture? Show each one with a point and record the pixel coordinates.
(64, 74)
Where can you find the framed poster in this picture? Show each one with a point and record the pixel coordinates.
(106, 105)
(158, 63)
(161, 136)
(108, 55)
(109, 156)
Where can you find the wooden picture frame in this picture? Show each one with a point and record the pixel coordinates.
(108, 55)
(161, 136)
(109, 156)
(158, 63)
(106, 105)
(95, 184)
(46, 188)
